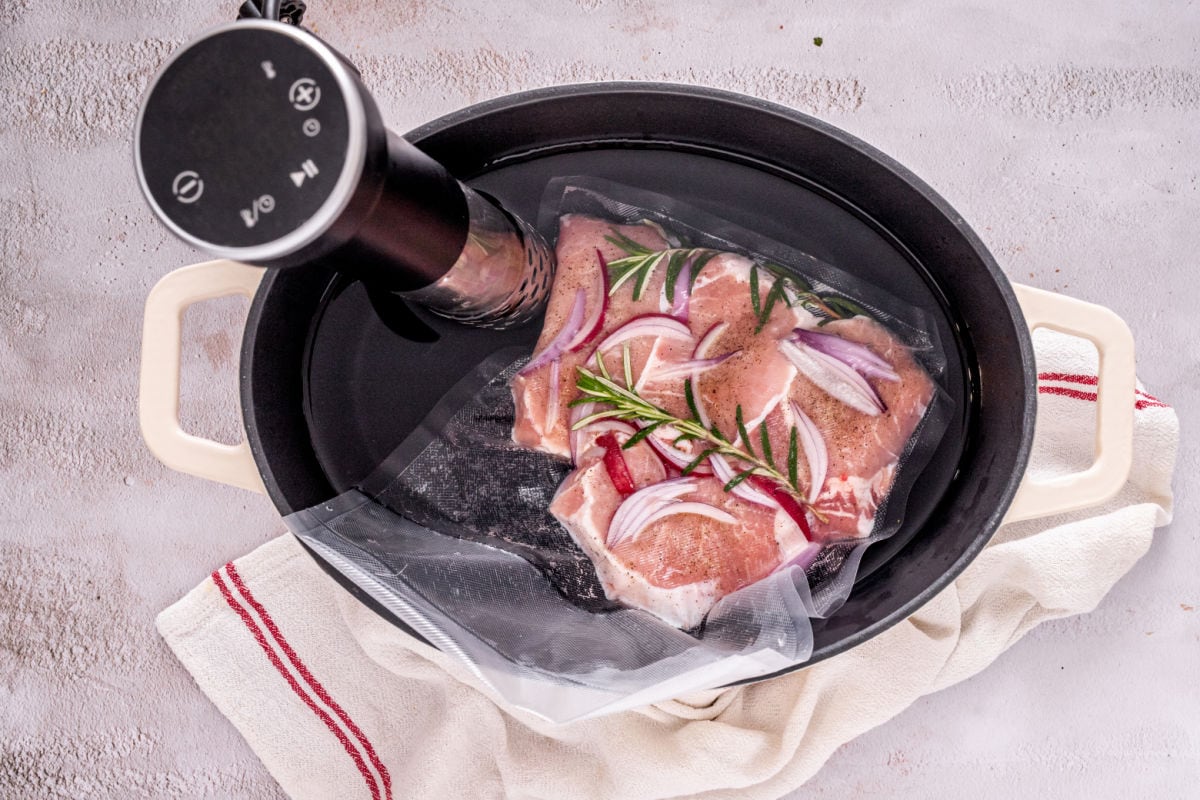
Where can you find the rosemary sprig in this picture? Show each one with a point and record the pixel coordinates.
(625, 403)
(640, 262)
(791, 289)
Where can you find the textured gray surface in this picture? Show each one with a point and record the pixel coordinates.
(1066, 133)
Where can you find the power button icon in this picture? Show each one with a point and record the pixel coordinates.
(187, 187)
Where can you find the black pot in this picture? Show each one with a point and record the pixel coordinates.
(324, 401)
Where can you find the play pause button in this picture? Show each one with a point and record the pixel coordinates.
(307, 170)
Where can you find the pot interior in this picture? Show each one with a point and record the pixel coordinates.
(334, 378)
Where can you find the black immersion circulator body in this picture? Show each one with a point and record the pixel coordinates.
(259, 143)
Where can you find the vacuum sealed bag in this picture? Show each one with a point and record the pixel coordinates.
(711, 430)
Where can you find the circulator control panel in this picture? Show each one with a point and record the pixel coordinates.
(251, 140)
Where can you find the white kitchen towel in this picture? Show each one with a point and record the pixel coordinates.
(340, 704)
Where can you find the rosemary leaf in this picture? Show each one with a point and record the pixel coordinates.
(625, 243)
(741, 427)
(674, 267)
(642, 434)
(754, 290)
(775, 270)
(791, 465)
(845, 306)
(736, 479)
(581, 401)
(717, 433)
(772, 298)
(627, 363)
(778, 292)
(651, 264)
(603, 369)
(697, 461)
(627, 270)
(699, 264)
(833, 303)
(593, 395)
(766, 443)
(784, 278)
(691, 399)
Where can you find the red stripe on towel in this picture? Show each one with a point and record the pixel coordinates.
(1145, 400)
(273, 657)
(1075, 394)
(313, 683)
(1090, 380)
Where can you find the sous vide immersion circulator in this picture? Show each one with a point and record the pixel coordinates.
(257, 142)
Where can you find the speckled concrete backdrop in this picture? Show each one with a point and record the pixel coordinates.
(1067, 133)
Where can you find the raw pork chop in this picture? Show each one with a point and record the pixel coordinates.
(695, 542)
(579, 239)
(864, 451)
(680, 567)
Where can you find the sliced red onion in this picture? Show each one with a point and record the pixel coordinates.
(615, 466)
(852, 354)
(707, 340)
(788, 503)
(697, 364)
(576, 438)
(803, 559)
(694, 366)
(592, 326)
(675, 507)
(559, 344)
(725, 473)
(815, 451)
(595, 430)
(613, 425)
(660, 325)
(667, 431)
(661, 440)
(834, 377)
(552, 401)
(642, 503)
(638, 513)
(701, 351)
(681, 301)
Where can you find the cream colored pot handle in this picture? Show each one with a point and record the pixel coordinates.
(158, 401)
(1115, 395)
